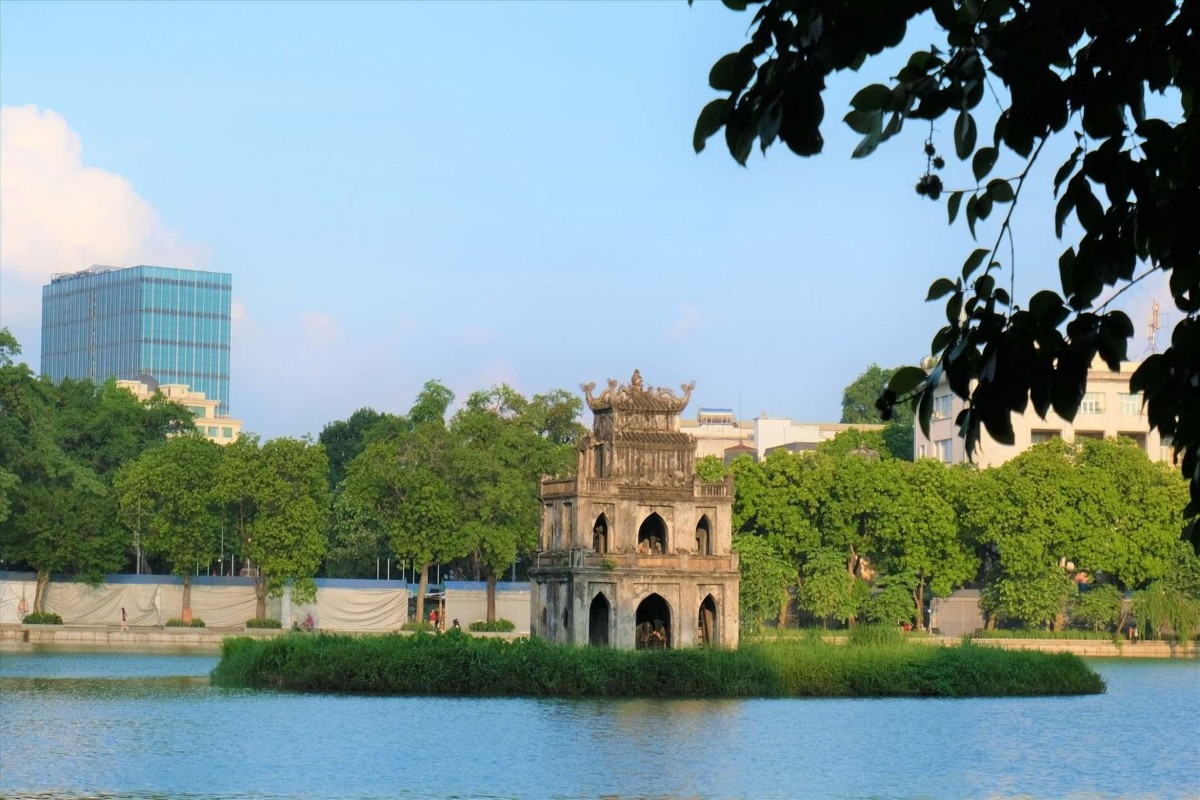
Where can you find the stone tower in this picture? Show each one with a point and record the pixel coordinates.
(634, 550)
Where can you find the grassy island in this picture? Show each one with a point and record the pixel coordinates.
(457, 664)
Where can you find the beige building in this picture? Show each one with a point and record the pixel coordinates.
(634, 550)
(219, 429)
(1108, 409)
(718, 433)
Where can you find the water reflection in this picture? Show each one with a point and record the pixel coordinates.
(158, 735)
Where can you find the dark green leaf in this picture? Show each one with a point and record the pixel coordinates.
(939, 289)
(973, 261)
(964, 135)
(710, 121)
(875, 97)
(906, 379)
(952, 205)
(984, 160)
(1000, 190)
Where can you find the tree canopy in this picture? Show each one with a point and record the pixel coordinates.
(1077, 68)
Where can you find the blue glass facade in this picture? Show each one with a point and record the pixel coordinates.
(171, 324)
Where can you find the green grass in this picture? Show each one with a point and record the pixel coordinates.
(1033, 633)
(456, 664)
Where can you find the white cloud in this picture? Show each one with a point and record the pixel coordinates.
(689, 319)
(57, 215)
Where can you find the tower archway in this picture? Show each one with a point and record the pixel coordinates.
(706, 624)
(652, 535)
(599, 617)
(653, 621)
(704, 537)
(600, 535)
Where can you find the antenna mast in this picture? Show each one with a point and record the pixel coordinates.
(1152, 339)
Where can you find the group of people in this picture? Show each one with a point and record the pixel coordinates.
(439, 624)
(651, 636)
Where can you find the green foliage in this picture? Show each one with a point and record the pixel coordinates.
(891, 603)
(496, 626)
(1130, 182)
(1097, 608)
(418, 625)
(766, 576)
(264, 623)
(883, 635)
(859, 406)
(176, 622)
(710, 469)
(1163, 611)
(456, 664)
(42, 618)
(166, 495)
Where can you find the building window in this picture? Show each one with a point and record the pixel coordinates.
(1097, 435)
(1092, 403)
(922, 450)
(227, 433)
(1131, 404)
(1166, 450)
(212, 431)
(1136, 437)
(1041, 437)
(945, 450)
(941, 406)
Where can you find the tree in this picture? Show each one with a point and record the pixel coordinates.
(345, 439)
(1132, 181)
(277, 499)
(858, 407)
(167, 494)
(503, 444)
(400, 487)
(767, 575)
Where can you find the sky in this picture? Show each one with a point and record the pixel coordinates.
(477, 193)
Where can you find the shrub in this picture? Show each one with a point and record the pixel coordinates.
(462, 665)
(42, 618)
(417, 625)
(176, 622)
(874, 636)
(1096, 608)
(266, 622)
(499, 626)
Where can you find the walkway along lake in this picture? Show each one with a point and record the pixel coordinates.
(102, 724)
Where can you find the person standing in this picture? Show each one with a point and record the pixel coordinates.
(124, 621)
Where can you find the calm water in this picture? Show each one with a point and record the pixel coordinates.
(108, 725)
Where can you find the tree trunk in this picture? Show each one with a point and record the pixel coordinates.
(39, 591)
(260, 597)
(919, 599)
(187, 596)
(491, 595)
(781, 620)
(851, 566)
(421, 587)
(1060, 621)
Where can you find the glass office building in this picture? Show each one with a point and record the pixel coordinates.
(170, 324)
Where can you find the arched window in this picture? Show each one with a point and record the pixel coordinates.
(653, 621)
(704, 537)
(706, 624)
(652, 536)
(599, 616)
(600, 535)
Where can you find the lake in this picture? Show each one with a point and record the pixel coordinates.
(121, 725)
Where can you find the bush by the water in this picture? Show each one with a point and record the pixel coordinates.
(266, 622)
(417, 625)
(42, 618)
(1035, 633)
(498, 626)
(457, 664)
(176, 622)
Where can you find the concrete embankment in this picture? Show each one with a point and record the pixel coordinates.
(154, 638)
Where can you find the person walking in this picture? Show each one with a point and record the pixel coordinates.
(124, 621)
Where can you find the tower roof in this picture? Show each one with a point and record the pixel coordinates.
(636, 396)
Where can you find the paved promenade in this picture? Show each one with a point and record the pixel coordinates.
(154, 638)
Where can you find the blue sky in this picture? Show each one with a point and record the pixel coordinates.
(472, 192)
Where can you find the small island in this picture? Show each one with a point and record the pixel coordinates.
(871, 664)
